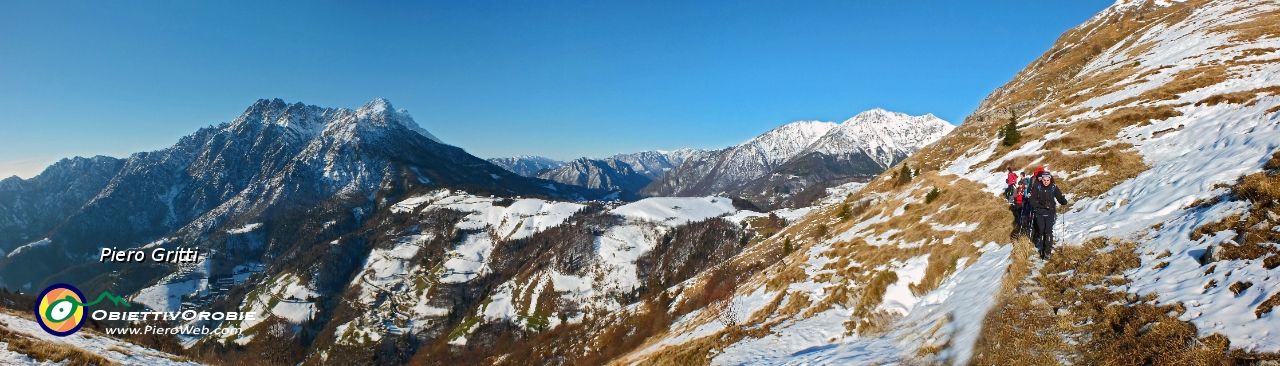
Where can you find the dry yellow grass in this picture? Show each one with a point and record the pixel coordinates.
(1246, 98)
(45, 351)
(1265, 25)
(1273, 110)
(1254, 238)
(1068, 314)
(872, 294)
(1266, 306)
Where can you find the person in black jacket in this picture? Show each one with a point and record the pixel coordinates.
(1043, 196)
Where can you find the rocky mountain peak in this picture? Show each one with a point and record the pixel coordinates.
(380, 109)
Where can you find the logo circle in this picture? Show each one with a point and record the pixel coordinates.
(59, 309)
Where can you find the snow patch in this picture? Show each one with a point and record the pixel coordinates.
(674, 211)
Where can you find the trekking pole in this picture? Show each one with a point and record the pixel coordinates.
(1063, 233)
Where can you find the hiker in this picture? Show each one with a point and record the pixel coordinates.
(1019, 210)
(1043, 197)
(1011, 181)
(1018, 202)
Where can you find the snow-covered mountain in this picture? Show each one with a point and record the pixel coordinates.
(512, 270)
(793, 164)
(886, 137)
(854, 151)
(607, 174)
(273, 160)
(723, 170)
(621, 172)
(527, 165)
(653, 163)
(34, 206)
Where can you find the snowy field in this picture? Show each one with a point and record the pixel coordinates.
(123, 353)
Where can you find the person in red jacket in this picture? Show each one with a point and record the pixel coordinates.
(1017, 197)
(1020, 218)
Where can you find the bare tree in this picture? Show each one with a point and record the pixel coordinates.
(726, 312)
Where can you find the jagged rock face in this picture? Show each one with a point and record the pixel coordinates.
(608, 174)
(777, 168)
(653, 163)
(527, 165)
(274, 158)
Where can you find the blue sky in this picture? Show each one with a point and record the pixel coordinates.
(557, 78)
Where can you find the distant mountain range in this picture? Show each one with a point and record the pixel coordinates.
(625, 172)
(527, 165)
(790, 166)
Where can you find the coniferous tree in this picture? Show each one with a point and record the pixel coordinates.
(904, 176)
(1010, 133)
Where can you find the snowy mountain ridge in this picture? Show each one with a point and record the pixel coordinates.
(822, 153)
(777, 145)
(608, 174)
(653, 163)
(883, 135)
(527, 165)
(621, 172)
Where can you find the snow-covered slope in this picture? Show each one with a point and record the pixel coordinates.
(1148, 115)
(537, 264)
(673, 211)
(113, 350)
